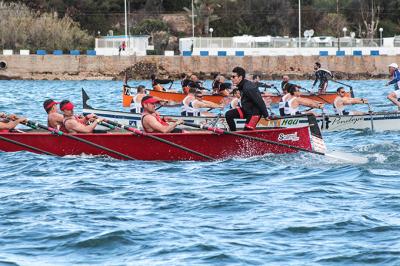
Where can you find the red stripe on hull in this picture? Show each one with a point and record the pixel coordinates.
(142, 148)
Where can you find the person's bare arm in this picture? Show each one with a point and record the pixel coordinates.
(12, 123)
(348, 101)
(78, 127)
(309, 103)
(151, 122)
(206, 104)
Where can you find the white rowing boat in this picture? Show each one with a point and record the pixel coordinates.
(379, 121)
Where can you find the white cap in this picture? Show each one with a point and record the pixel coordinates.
(394, 65)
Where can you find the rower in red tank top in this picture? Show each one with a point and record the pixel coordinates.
(151, 120)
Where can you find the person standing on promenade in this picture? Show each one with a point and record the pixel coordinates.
(253, 106)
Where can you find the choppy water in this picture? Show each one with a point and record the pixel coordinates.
(297, 209)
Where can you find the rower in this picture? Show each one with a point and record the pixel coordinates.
(151, 120)
(219, 87)
(10, 122)
(341, 100)
(395, 75)
(293, 101)
(73, 124)
(184, 83)
(198, 104)
(253, 106)
(195, 83)
(321, 75)
(259, 84)
(137, 99)
(187, 108)
(156, 83)
(54, 119)
(235, 103)
(285, 83)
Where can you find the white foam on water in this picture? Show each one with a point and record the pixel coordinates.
(385, 172)
(346, 157)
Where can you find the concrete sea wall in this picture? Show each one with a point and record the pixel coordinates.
(67, 67)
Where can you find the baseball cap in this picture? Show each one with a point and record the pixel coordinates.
(394, 65)
(48, 104)
(149, 99)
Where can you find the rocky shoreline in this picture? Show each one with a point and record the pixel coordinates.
(51, 67)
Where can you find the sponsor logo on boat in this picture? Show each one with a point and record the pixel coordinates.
(346, 120)
(292, 137)
(280, 122)
(290, 122)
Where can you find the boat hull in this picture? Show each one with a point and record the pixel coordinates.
(145, 148)
(177, 98)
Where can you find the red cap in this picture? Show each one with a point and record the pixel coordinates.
(49, 103)
(149, 99)
(69, 106)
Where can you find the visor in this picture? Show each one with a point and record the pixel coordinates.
(150, 100)
(49, 105)
(69, 106)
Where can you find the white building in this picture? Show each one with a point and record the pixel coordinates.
(110, 45)
(286, 46)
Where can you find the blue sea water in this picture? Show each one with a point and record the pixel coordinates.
(297, 209)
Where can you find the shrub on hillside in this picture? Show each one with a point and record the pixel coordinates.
(21, 28)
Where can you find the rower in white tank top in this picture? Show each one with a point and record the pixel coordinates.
(289, 109)
(187, 108)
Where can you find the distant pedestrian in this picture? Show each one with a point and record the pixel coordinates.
(122, 47)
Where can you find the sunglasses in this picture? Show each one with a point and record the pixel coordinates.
(234, 76)
(342, 92)
(199, 96)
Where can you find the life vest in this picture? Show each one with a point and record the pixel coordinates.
(126, 100)
(289, 110)
(158, 118)
(188, 109)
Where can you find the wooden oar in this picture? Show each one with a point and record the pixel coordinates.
(141, 133)
(57, 132)
(27, 146)
(221, 131)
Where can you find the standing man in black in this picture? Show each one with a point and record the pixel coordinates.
(252, 104)
(322, 76)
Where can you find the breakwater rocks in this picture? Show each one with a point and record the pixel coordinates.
(66, 67)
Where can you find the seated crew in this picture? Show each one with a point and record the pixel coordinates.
(73, 124)
(294, 101)
(185, 83)
(151, 120)
(187, 108)
(156, 83)
(220, 87)
(195, 83)
(259, 84)
(253, 106)
(198, 104)
(10, 122)
(285, 96)
(341, 100)
(54, 119)
(137, 100)
(284, 84)
(235, 103)
(394, 96)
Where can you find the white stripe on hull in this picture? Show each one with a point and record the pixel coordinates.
(384, 121)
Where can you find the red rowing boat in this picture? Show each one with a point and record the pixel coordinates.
(145, 148)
